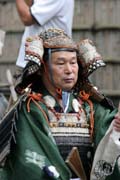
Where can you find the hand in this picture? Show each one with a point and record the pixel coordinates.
(116, 123)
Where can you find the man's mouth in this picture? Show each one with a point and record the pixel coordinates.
(68, 80)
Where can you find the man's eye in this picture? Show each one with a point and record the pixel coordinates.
(60, 63)
(73, 62)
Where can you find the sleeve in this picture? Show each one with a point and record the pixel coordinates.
(34, 135)
(103, 118)
(105, 165)
(44, 10)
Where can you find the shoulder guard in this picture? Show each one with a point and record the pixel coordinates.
(97, 96)
(8, 130)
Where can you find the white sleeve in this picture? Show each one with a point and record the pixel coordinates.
(44, 10)
(106, 154)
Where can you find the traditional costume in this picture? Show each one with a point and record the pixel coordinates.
(57, 143)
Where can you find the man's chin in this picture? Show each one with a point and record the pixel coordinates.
(67, 88)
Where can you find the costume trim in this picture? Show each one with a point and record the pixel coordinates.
(85, 97)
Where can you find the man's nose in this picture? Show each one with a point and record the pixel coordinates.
(68, 68)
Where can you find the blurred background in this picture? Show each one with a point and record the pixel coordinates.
(98, 20)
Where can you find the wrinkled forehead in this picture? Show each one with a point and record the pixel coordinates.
(60, 54)
(64, 55)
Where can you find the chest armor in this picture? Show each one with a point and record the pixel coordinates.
(71, 130)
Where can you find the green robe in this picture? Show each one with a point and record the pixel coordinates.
(36, 148)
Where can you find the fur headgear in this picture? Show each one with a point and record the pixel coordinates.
(57, 38)
(89, 58)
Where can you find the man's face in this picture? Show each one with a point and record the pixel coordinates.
(64, 69)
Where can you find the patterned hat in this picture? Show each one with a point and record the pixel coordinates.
(57, 38)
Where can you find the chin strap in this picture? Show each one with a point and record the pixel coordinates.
(65, 100)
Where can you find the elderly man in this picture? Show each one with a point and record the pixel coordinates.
(62, 137)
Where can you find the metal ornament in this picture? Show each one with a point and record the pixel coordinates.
(76, 105)
(103, 169)
(49, 100)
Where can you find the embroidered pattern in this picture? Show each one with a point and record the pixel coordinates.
(34, 158)
(103, 169)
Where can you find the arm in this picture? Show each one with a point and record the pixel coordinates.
(24, 13)
(116, 121)
(108, 149)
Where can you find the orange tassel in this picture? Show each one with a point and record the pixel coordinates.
(85, 97)
(35, 98)
(59, 93)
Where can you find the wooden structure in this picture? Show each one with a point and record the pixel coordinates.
(98, 20)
